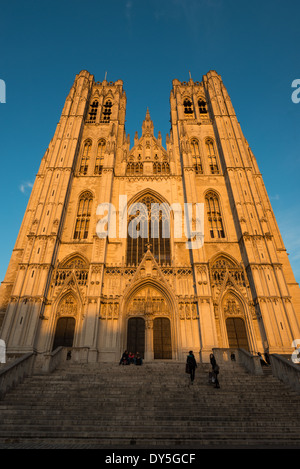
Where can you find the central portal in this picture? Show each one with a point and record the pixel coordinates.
(149, 326)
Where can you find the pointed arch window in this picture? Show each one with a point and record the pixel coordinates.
(106, 112)
(134, 169)
(100, 157)
(93, 111)
(148, 227)
(83, 216)
(202, 106)
(196, 156)
(188, 107)
(214, 216)
(161, 168)
(84, 164)
(212, 157)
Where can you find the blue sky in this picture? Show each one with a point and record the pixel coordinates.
(253, 45)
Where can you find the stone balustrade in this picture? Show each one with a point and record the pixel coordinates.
(15, 372)
(226, 357)
(287, 371)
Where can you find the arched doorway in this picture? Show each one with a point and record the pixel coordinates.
(234, 313)
(64, 333)
(148, 323)
(65, 326)
(237, 335)
(162, 344)
(136, 335)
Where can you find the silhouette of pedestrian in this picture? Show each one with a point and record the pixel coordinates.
(262, 361)
(212, 360)
(216, 371)
(267, 357)
(192, 365)
(211, 374)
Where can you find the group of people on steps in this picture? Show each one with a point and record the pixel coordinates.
(191, 366)
(129, 358)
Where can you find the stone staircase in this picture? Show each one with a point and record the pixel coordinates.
(152, 406)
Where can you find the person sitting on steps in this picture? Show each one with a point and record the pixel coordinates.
(125, 358)
(138, 359)
(131, 357)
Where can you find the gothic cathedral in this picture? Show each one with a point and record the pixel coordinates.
(67, 285)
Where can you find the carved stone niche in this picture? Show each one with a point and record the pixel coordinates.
(224, 270)
(148, 303)
(109, 310)
(232, 307)
(68, 306)
(188, 310)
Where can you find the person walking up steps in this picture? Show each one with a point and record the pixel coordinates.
(216, 371)
(192, 365)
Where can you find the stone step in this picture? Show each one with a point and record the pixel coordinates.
(108, 404)
(284, 419)
(109, 445)
(194, 431)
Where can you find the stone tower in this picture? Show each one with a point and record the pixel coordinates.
(99, 294)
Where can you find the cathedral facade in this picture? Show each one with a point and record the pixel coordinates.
(101, 293)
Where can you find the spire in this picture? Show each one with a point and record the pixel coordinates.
(147, 126)
(147, 115)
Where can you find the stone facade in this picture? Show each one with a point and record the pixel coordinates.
(65, 285)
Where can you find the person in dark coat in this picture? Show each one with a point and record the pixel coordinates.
(262, 361)
(191, 363)
(216, 371)
(124, 359)
(138, 359)
(267, 358)
(212, 360)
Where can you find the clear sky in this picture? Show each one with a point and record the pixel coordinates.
(253, 45)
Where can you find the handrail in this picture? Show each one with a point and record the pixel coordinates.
(51, 360)
(241, 356)
(15, 372)
(287, 371)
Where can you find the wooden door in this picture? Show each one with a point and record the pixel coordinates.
(162, 343)
(236, 331)
(136, 336)
(64, 333)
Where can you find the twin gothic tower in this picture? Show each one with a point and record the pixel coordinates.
(66, 285)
